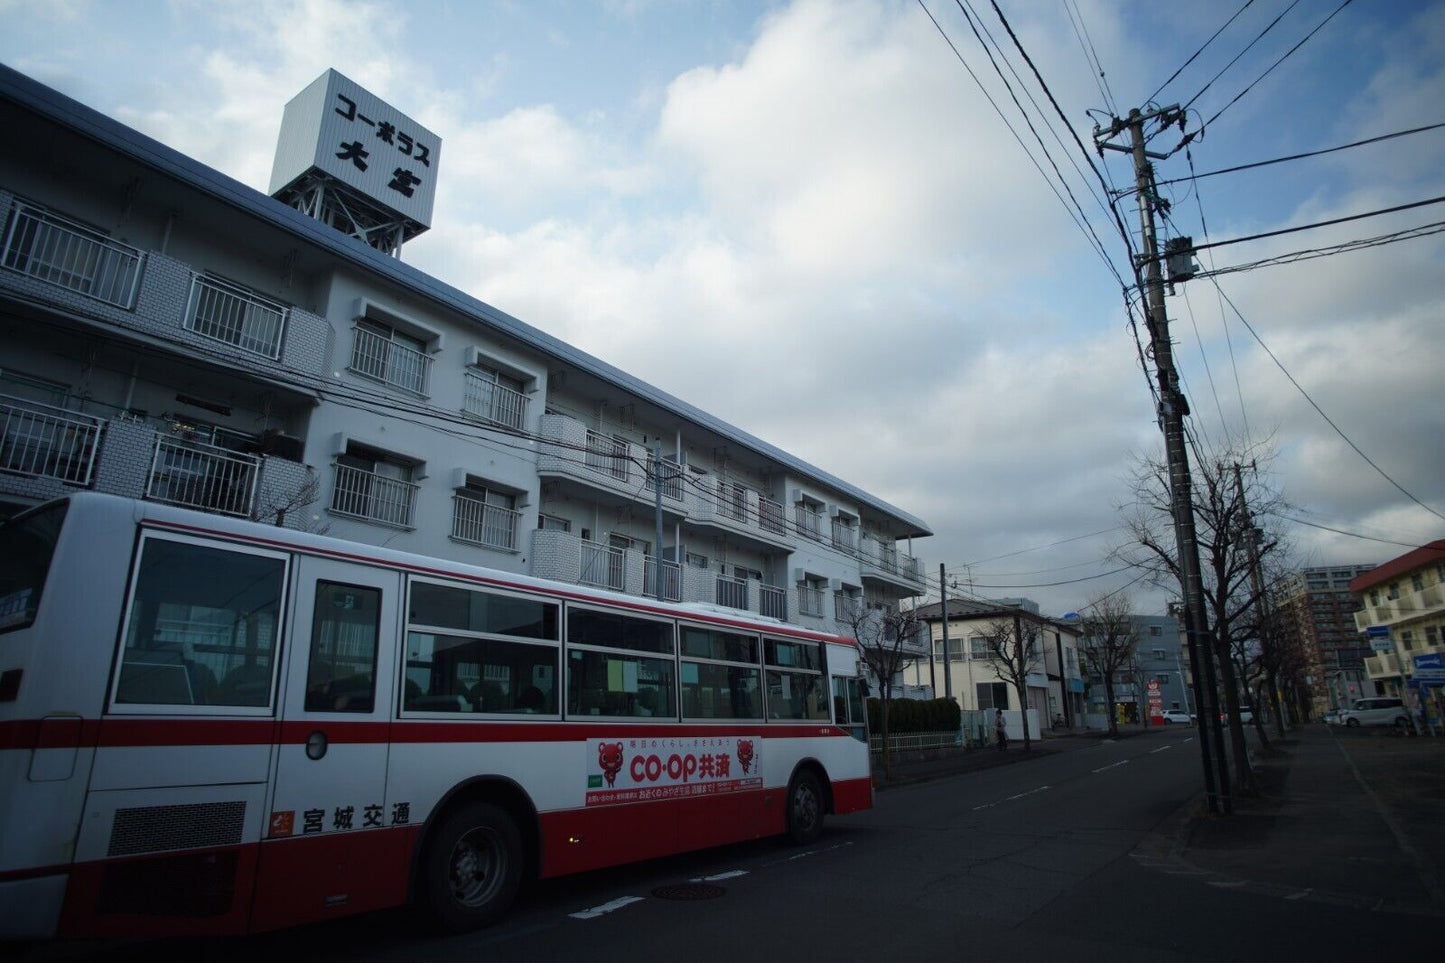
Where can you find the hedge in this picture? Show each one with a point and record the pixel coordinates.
(915, 715)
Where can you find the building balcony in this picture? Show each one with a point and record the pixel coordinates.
(490, 526)
(42, 441)
(46, 257)
(198, 475)
(1381, 666)
(1410, 606)
(739, 511)
(882, 562)
(563, 557)
(603, 464)
(373, 498)
(485, 399)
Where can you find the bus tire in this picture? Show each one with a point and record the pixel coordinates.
(473, 867)
(805, 808)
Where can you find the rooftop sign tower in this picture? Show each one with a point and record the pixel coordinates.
(351, 160)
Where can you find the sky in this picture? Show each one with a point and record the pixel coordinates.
(828, 223)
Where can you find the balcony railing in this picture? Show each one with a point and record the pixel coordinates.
(671, 579)
(810, 522)
(603, 566)
(47, 442)
(385, 360)
(846, 608)
(668, 474)
(373, 497)
(810, 600)
(845, 537)
(606, 454)
(773, 602)
(493, 402)
(493, 526)
(732, 500)
(231, 314)
(59, 252)
(771, 517)
(202, 476)
(732, 592)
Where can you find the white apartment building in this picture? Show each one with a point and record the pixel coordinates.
(171, 334)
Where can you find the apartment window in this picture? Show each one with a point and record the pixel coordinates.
(1162, 679)
(1394, 591)
(992, 695)
(1156, 630)
(810, 595)
(551, 523)
(382, 352)
(494, 396)
(1157, 653)
(1374, 596)
(955, 650)
(484, 515)
(694, 560)
(978, 648)
(1432, 635)
(1407, 638)
(810, 518)
(845, 533)
(1417, 582)
(374, 485)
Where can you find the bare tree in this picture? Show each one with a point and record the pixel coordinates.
(1224, 507)
(274, 505)
(1109, 643)
(1016, 652)
(887, 639)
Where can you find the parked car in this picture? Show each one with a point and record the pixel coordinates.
(1246, 715)
(1177, 715)
(1375, 711)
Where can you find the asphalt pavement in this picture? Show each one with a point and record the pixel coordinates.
(1350, 817)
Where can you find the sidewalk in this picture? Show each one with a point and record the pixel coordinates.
(1352, 817)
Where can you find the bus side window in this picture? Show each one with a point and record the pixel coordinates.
(201, 626)
(344, 630)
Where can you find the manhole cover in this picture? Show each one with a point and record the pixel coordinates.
(686, 891)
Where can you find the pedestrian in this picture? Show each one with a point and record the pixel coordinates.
(1001, 728)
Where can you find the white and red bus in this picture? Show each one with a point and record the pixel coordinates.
(214, 726)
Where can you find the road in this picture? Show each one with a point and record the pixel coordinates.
(1049, 858)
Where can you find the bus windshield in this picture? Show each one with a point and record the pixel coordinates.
(27, 543)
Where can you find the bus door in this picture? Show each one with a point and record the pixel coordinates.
(329, 846)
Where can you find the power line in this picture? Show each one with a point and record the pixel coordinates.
(1383, 474)
(1319, 224)
(1091, 56)
(1346, 247)
(1246, 50)
(1341, 531)
(1294, 157)
(1271, 67)
(1196, 53)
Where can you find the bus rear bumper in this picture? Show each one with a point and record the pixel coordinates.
(30, 908)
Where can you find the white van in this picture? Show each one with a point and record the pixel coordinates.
(1375, 711)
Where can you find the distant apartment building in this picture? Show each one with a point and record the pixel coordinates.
(171, 334)
(1319, 609)
(1160, 659)
(1402, 615)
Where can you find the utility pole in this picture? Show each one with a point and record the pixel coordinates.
(947, 673)
(1172, 409)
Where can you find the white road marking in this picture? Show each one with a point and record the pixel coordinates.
(1122, 762)
(605, 908)
(1029, 793)
(1160, 749)
(713, 879)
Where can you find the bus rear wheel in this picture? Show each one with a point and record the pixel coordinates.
(805, 808)
(473, 867)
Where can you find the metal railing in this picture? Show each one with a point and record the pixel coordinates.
(810, 522)
(47, 442)
(846, 608)
(732, 500)
(668, 474)
(51, 249)
(773, 602)
(671, 579)
(231, 314)
(603, 566)
(771, 516)
(606, 454)
(473, 520)
(385, 360)
(810, 599)
(845, 537)
(202, 476)
(732, 592)
(496, 403)
(376, 498)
